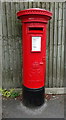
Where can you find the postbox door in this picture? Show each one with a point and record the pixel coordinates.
(37, 66)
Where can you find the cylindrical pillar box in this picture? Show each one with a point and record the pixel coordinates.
(34, 25)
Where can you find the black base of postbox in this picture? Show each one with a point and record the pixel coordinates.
(33, 97)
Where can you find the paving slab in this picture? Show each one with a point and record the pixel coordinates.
(52, 108)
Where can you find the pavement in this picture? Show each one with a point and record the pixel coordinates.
(52, 108)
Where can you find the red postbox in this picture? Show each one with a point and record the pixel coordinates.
(34, 26)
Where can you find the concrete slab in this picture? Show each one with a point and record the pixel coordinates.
(53, 108)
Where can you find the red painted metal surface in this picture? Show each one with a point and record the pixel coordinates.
(34, 23)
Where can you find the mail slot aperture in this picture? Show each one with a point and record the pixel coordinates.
(35, 28)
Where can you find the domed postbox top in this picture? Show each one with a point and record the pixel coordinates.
(33, 12)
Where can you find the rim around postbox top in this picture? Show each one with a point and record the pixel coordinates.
(34, 11)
